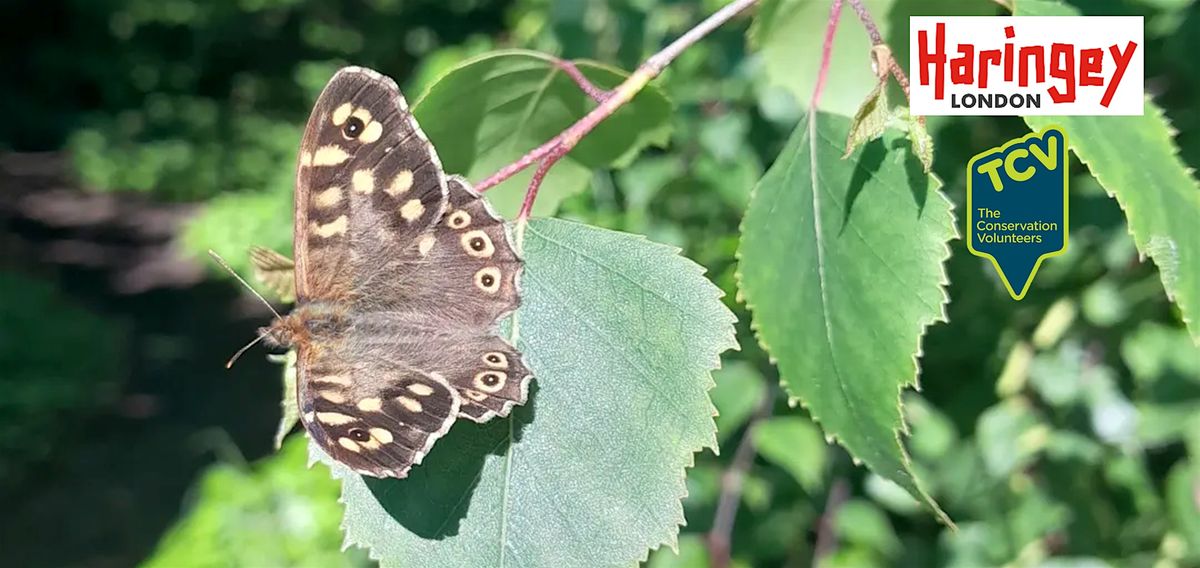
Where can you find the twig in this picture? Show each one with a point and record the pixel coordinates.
(558, 147)
(876, 40)
(732, 482)
(839, 492)
(596, 93)
(835, 13)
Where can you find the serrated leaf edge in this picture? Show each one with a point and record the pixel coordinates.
(793, 399)
(714, 363)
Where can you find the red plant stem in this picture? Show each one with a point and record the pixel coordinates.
(596, 93)
(835, 13)
(560, 145)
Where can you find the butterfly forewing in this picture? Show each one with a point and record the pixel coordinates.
(368, 184)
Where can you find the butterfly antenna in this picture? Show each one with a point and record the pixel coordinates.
(228, 268)
(229, 364)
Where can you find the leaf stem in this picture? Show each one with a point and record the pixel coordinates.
(835, 13)
(596, 93)
(553, 150)
(732, 481)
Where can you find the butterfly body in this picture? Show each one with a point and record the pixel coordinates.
(401, 275)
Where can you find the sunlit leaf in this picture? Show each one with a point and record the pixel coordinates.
(278, 513)
(841, 264)
(495, 108)
(621, 334)
(1136, 160)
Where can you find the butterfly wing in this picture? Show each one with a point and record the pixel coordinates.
(377, 415)
(368, 183)
(465, 276)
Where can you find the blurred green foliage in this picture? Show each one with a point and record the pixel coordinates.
(1059, 431)
(48, 395)
(280, 513)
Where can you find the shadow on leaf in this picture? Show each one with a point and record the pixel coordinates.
(436, 496)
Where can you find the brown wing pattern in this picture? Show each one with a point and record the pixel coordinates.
(378, 428)
(368, 183)
(401, 277)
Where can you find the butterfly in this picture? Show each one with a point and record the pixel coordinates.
(401, 274)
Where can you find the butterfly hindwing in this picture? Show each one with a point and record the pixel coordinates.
(368, 183)
(464, 270)
(377, 418)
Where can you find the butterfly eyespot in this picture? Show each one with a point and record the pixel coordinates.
(359, 435)
(490, 381)
(353, 128)
(478, 244)
(488, 279)
(496, 359)
(458, 219)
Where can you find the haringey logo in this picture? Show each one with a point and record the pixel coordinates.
(1085, 65)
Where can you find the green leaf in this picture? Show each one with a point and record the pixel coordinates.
(918, 134)
(495, 108)
(277, 514)
(1183, 508)
(871, 119)
(1136, 160)
(841, 265)
(791, 33)
(739, 389)
(231, 222)
(794, 444)
(1010, 436)
(861, 523)
(621, 334)
(691, 554)
(289, 411)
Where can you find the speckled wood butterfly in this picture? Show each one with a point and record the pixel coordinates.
(401, 274)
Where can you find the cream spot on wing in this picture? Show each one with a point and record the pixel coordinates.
(476, 395)
(490, 381)
(363, 181)
(458, 219)
(330, 155)
(382, 435)
(477, 244)
(334, 379)
(370, 405)
(426, 245)
(328, 198)
(411, 404)
(420, 389)
(401, 183)
(371, 133)
(412, 210)
(370, 444)
(488, 279)
(333, 396)
(349, 445)
(309, 416)
(306, 159)
(496, 360)
(334, 418)
(341, 113)
(330, 229)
